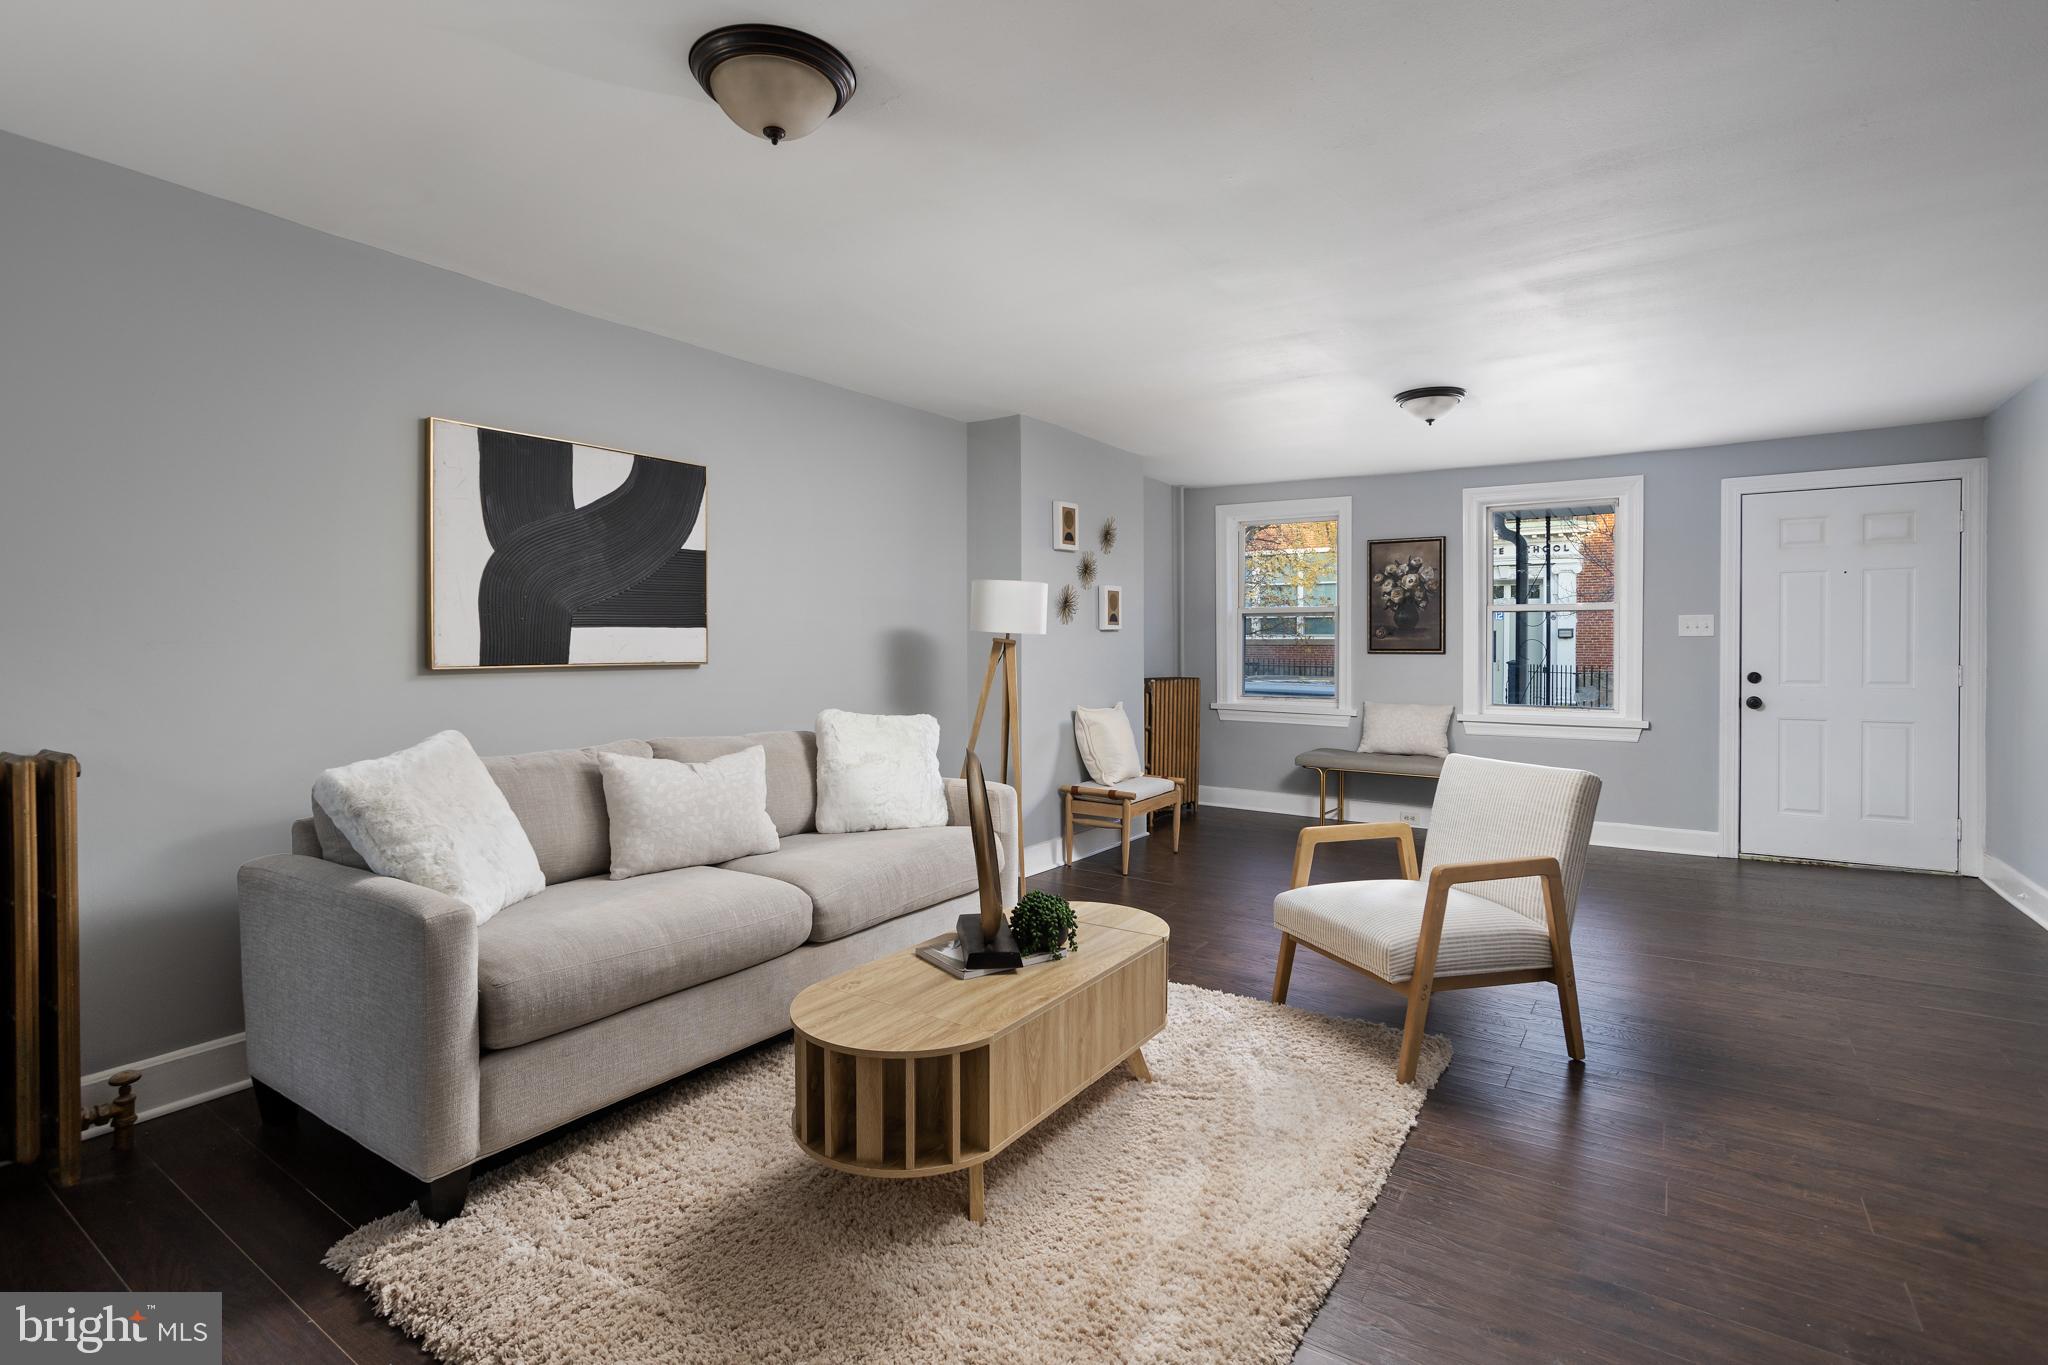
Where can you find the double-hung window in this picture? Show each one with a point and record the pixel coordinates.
(1283, 621)
(1553, 599)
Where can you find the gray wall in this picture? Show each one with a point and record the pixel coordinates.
(1076, 664)
(1668, 777)
(2016, 439)
(1162, 579)
(211, 540)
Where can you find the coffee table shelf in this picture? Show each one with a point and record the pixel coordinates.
(903, 1071)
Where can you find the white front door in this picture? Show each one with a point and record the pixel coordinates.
(1852, 675)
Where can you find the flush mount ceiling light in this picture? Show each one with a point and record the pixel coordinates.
(1430, 403)
(774, 82)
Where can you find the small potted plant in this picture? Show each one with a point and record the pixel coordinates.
(1043, 923)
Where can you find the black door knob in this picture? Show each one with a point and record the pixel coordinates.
(1755, 703)
(1755, 677)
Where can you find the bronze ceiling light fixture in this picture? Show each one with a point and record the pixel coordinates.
(1430, 403)
(774, 82)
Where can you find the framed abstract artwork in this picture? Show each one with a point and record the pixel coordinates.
(1066, 526)
(1110, 611)
(1404, 596)
(545, 553)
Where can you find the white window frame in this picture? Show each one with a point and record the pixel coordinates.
(1231, 703)
(1479, 715)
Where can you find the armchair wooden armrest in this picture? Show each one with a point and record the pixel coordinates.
(1442, 879)
(1399, 831)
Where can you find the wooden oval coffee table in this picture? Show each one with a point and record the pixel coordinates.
(903, 1071)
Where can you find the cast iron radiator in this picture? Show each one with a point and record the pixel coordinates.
(1173, 732)
(45, 1115)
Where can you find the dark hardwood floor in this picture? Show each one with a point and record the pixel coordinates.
(1813, 1124)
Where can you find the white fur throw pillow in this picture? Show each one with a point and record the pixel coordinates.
(1397, 728)
(1103, 735)
(431, 815)
(878, 772)
(666, 814)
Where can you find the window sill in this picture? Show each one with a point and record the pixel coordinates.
(1272, 713)
(1619, 729)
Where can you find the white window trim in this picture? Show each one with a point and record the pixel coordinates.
(1478, 715)
(1231, 704)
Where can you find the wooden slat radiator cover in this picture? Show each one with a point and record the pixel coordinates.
(1173, 732)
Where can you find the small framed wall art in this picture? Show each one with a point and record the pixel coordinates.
(1404, 596)
(1111, 608)
(546, 553)
(1066, 526)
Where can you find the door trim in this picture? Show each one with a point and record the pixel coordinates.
(1975, 626)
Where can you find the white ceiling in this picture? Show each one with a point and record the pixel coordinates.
(1214, 232)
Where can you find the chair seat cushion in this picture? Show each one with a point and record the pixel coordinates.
(1375, 924)
(586, 949)
(1143, 788)
(858, 880)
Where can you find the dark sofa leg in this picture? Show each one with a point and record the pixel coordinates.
(442, 1199)
(274, 1109)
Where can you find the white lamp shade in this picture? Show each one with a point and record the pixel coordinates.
(1006, 606)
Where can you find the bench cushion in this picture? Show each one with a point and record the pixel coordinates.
(1375, 925)
(586, 949)
(858, 880)
(1351, 761)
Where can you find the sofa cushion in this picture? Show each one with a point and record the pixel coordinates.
(858, 880)
(558, 795)
(586, 949)
(792, 769)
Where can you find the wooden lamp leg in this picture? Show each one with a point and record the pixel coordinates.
(988, 679)
(1013, 723)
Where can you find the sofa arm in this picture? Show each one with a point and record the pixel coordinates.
(1002, 813)
(359, 995)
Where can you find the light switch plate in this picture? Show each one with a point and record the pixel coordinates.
(1696, 625)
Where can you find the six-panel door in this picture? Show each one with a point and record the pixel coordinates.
(1851, 630)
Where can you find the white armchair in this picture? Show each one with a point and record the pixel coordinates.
(1492, 906)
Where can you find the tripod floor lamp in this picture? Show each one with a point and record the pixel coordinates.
(1006, 608)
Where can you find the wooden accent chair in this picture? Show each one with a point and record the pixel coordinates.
(1120, 807)
(1492, 906)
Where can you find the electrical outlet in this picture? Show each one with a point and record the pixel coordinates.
(1410, 817)
(1696, 625)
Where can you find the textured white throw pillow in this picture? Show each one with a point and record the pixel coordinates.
(878, 772)
(1108, 749)
(666, 814)
(1399, 728)
(432, 816)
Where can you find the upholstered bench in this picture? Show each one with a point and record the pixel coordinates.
(1344, 762)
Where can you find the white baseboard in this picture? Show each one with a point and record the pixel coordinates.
(1704, 843)
(1699, 843)
(177, 1080)
(1047, 854)
(2027, 896)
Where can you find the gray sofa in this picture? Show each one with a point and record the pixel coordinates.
(387, 1011)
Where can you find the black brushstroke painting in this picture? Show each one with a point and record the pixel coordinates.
(555, 566)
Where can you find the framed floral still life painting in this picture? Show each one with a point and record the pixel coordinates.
(1404, 596)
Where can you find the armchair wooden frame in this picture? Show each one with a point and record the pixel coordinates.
(1419, 987)
(1084, 803)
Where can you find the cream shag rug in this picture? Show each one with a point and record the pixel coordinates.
(1201, 1217)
